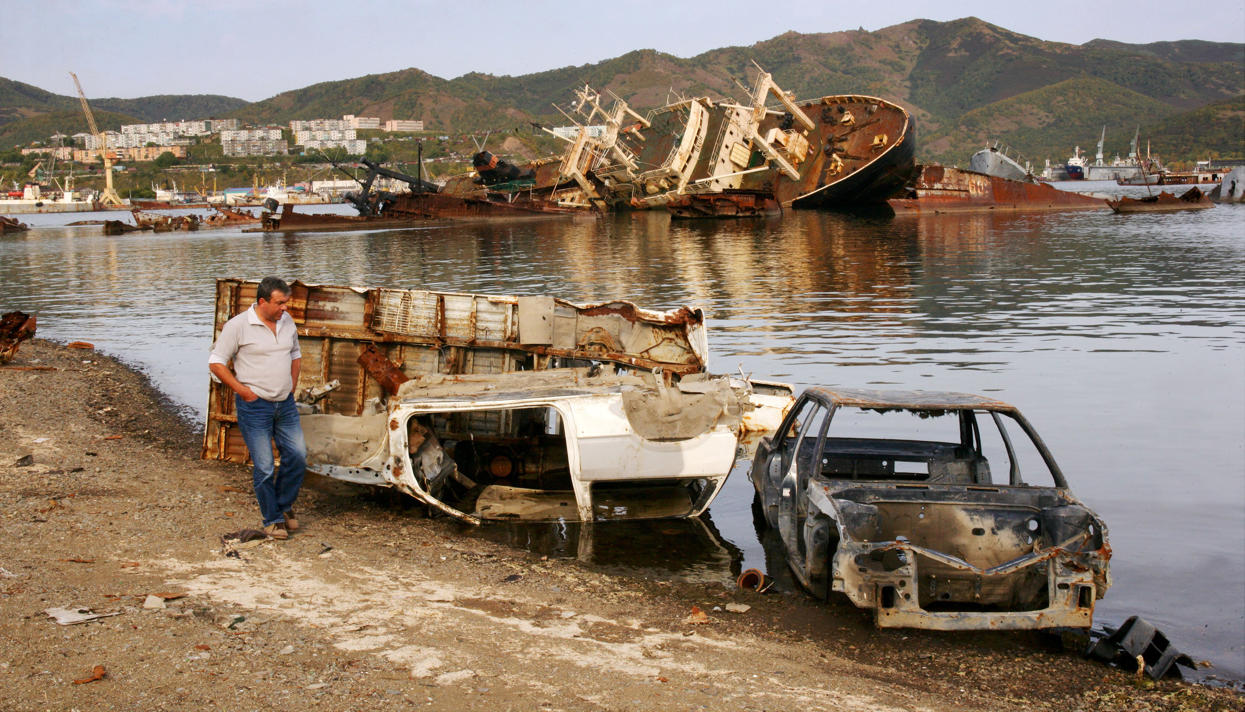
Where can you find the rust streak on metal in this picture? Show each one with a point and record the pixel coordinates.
(374, 364)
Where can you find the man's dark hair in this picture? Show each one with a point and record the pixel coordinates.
(268, 285)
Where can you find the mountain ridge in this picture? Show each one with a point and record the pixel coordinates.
(956, 77)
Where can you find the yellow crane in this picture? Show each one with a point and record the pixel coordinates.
(109, 197)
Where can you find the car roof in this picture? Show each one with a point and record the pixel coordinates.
(909, 400)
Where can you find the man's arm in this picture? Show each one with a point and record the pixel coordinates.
(295, 366)
(226, 376)
(223, 351)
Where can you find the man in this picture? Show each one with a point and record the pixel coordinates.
(262, 342)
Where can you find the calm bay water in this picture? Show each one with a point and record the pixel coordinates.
(1122, 338)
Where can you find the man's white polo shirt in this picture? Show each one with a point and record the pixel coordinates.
(261, 359)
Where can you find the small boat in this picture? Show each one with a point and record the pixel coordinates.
(1194, 199)
(992, 161)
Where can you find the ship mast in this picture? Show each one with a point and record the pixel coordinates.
(109, 197)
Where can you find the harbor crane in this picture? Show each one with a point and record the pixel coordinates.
(109, 197)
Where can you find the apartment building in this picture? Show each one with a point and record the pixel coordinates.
(404, 125)
(253, 142)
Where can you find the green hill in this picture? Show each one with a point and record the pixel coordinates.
(69, 122)
(22, 101)
(1047, 122)
(1213, 131)
(966, 81)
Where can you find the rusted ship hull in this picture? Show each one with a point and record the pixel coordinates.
(1193, 199)
(943, 189)
(832, 152)
(405, 210)
(862, 161)
(727, 204)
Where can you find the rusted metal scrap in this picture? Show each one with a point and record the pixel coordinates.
(389, 376)
(727, 204)
(943, 534)
(497, 407)
(1193, 199)
(443, 332)
(120, 227)
(15, 327)
(227, 217)
(165, 223)
(8, 225)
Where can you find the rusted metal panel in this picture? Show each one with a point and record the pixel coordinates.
(380, 368)
(727, 204)
(423, 332)
(536, 316)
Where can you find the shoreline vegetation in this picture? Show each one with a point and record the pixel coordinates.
(374, 605)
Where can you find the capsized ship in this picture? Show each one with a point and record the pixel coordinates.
(834, 151)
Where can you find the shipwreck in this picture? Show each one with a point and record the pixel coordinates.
(700, 155)
(493, 407)
(934, 510)
(1164, 202)
(945, 189)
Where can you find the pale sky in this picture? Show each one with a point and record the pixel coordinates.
(254, 49)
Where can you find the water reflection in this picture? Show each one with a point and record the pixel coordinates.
(1121, 337)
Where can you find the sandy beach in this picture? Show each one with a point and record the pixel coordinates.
(105, 505)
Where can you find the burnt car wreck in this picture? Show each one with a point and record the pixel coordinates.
(936, 510)
(487, 407)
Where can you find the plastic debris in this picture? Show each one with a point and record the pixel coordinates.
(1136, 646)
(70, 616)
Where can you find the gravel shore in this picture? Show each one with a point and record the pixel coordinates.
(104, 505)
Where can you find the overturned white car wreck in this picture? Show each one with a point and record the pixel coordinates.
(937, 510)
(489, 407)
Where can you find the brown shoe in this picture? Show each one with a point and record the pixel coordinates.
(277, 531)
(291, 524)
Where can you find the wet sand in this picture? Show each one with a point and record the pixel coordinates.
(373, 605)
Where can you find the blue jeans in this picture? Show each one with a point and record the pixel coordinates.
(262, 422)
